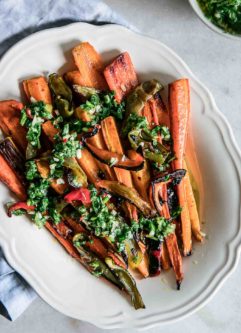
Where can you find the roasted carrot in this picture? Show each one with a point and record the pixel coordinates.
(175, 257)
(49, 130)
(170, 248)
(9, 122)
(90, 166)
(38, 89)
(158, 110)
(90, 65)
(96, 244)
(192, 207)
(10, 178)
(43, 169)
(165, 261)
(69, 247)
(74, 77)
(121, 76)
(146, 112)
(141, 179)
(112, 141)
(98, 141)
(179, 99)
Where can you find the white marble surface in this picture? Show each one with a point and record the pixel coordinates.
(217, 62)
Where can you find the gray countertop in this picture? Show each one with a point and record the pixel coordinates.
(216, 61)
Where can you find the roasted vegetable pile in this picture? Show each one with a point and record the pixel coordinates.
(96, 159)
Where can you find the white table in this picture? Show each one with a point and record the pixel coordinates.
(217, 63)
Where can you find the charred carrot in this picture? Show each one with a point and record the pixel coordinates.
(43, 169)
(95, 244)
(10, 178)
(89, 165)
(74, 77)
(98, 141)
(165, 261)
(121, 76)
(179, 99)
(64, 242)
(10, 122)
(175, 257)
(159, 111)
(146, 112)
(49, 130)
(141, 178)
(113, 143)
(38, 89)
(90, 65)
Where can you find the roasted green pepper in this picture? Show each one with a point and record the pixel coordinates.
(63, 99)
(128, 193)
(93, 263)
(85, 92)
(141, 94)
(127, 282)
(76, 176)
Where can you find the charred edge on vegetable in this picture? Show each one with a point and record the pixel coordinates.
(156, 198)
(91, 133)
(154, 247)
(125, 167)
(135, 168)
(175, 176)
(13, 157)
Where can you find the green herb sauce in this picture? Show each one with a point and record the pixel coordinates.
(225, 14)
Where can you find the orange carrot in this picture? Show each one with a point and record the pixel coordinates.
(49, 130)
(179, 98)
(175, 257)
(146, 112)
(43, 169)
(192, 207)
(10, 178)
(113, 143)
(74, 77)
(9, 122)
(69, 247)
(141, 179)
(97, 141)
(89, 165)
(121, 76)
(159, 111)
(165, 261)
(96, 244)
(170, 248)
(90, 65)
(37, 88)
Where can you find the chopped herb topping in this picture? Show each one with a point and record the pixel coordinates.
(32, 117)
(140, 136)
(100, 106)
(157, 227)
(226, 14)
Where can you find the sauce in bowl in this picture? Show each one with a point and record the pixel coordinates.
(225, 14)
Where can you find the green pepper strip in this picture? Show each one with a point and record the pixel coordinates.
(127, 282)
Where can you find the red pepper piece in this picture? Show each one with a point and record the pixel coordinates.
(82, 194)
(20, 205)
